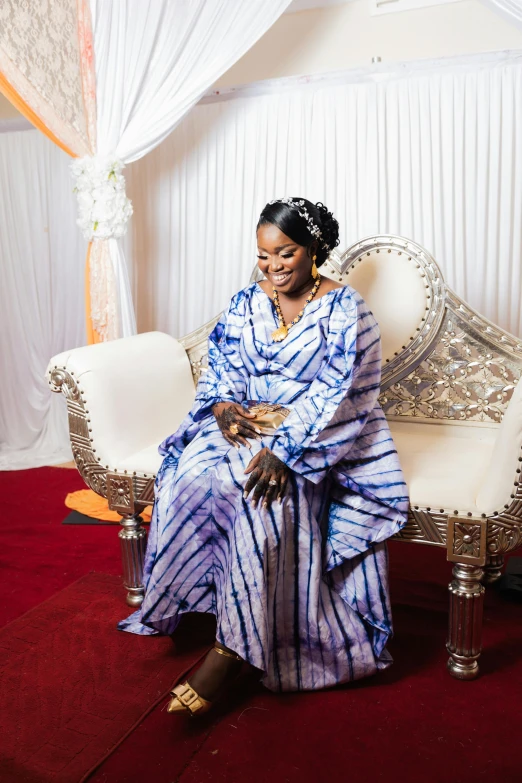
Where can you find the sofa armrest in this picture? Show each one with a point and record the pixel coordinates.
(498, 485)
(136, 391)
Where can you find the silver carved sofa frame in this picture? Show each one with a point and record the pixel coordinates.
(432, 376)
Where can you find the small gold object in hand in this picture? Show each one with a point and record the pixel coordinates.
(234, 429)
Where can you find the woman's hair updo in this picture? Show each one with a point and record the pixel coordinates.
(290, 217)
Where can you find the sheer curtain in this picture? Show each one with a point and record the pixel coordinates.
(509, 9)
(429, 150)
(154, 59)
(41, 296)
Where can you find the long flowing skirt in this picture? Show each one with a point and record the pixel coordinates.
(262, 571)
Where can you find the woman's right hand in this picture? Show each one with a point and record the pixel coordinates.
(235, 422)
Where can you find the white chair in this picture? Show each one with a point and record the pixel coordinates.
(449, 391)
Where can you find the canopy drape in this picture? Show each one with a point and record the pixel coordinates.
(509, 9)
(154, 59)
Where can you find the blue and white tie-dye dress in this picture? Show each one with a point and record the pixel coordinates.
(299, 590)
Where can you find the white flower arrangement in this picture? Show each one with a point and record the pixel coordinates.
(103, 206)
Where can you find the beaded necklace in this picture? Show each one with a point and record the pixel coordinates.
(282, 331)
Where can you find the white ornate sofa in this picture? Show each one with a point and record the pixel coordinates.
(449, 390)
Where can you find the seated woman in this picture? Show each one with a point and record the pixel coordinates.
(280, 531)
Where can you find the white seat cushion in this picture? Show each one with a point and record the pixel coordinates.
(444, 465)
(145, 462)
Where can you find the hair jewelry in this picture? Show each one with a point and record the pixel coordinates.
(301, 209)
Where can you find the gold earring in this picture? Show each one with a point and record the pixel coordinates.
(314, 268)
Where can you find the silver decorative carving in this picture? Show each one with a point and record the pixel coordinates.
(120, 493)
(469, 375)
(196, 346)
(466, 540)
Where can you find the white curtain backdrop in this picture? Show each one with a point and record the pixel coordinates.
(41, 296)
(154, 59)
(429, 150)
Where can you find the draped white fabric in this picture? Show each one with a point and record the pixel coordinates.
(431, 151)
(154, 59)
(41, 296)
(509, 9)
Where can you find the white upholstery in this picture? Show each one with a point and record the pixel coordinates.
(501, 473)
(144, 462)
(446, 465)
(137, 391)
(395, 291)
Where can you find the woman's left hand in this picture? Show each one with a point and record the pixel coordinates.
(268, 475)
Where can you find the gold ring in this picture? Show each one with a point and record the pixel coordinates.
(234, 429)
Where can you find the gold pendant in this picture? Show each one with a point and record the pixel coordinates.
(279, 334)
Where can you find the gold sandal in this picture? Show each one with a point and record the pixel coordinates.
(186, 699)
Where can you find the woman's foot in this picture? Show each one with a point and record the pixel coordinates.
(218, 669)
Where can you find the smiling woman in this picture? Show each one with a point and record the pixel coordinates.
(299, 586)
(290, 265)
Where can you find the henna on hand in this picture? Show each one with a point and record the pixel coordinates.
(268, 478)
(233, 421)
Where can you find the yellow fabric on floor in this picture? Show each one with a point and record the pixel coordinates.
(92, 505)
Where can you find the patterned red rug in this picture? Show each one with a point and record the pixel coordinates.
(73, 686)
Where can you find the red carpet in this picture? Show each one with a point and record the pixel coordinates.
(39, 555)
(413, 723)
(72, 685)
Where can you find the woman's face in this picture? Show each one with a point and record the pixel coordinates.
(285, 264)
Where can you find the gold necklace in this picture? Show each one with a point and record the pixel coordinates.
(282, 331)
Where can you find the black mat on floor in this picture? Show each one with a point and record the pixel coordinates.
(75, 518)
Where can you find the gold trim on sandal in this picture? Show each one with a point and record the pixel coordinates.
(186, 699)
(227, 653)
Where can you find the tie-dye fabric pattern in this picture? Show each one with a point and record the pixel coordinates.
(299, 590)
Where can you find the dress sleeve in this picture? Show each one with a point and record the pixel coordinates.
(327, 420)
(226, 379)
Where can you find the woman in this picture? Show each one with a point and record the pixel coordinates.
(281, 532)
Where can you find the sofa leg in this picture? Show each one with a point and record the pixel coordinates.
(493, 569)
(133, 538)
(465, 621)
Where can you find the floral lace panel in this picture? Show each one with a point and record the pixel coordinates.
(40, 38)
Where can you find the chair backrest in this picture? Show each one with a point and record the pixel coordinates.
(403, 287)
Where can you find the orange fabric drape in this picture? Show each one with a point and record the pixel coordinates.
(92, 335)
(19, 103)
(87, 502)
